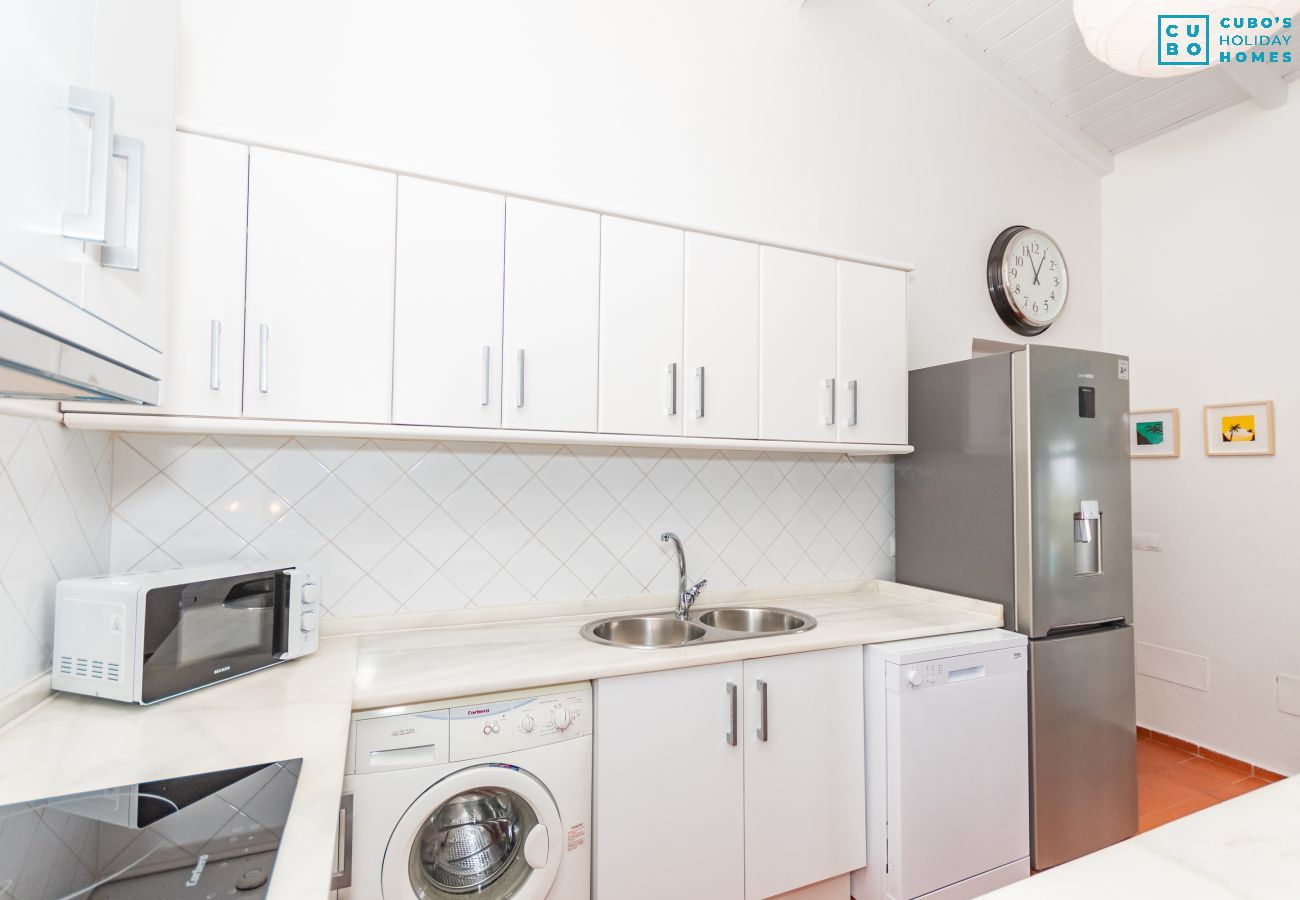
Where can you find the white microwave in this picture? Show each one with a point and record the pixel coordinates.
(148, 636)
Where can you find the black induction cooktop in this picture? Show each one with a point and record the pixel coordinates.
(214, 834)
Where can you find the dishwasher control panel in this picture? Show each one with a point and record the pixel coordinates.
(903, 677)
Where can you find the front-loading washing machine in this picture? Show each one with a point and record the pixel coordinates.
(485, 797)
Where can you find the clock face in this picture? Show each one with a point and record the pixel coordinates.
(1027, 279)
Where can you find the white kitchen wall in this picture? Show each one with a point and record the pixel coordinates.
(416, 526)
(836, 125)
(1201, 230)
(54, 523)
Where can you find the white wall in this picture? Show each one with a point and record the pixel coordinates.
(1201, 234)
(834, 125)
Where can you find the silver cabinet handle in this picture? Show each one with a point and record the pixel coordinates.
(762, 709)
(699, 387)
(264, 353)
(853, 402)
(214, 356)
(128, 255)
(519, 389)
(92, 225)
(487, 375)
(731, 727)
(829, 418)
(341, 876)
(672, 389)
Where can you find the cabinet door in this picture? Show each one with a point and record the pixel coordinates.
(135, 61)
(805, 797)
(797, 346)
(319, 323)
(872, 354)
(447, 335)
(640, 328)
(552, 310)
(669, 786)
(205, 331)
(46, 48)
(721, 338)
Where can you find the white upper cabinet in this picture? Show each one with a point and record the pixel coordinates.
(319, 322)
(205, 332)
(641, 374)
(447, 335)
(797, 367)
(135, 62)
(872, 378)
(86, 94)
(552, 311)
(46, 49)
(720, 381)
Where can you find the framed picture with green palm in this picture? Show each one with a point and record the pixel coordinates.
(1239, 429)
(1153, 433)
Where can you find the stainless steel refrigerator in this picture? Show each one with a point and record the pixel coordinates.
(1018, 493)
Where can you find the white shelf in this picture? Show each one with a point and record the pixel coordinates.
(134, 422)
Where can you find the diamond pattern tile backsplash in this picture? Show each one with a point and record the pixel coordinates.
(415, 526)
(54, 523)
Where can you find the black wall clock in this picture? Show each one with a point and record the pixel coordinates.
(1027, 279)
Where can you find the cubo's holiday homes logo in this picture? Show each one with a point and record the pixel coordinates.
(1183, 40)
(1196, 40)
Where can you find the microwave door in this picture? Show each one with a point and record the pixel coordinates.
(199, 633)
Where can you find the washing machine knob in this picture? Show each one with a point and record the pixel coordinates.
(914, 677)
(561, 718)
(527, 724)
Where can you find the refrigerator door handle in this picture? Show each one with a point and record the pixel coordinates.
(1075, 627)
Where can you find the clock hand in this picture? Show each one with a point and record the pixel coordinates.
(1040, 265)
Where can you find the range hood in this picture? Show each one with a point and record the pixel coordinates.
(38, 366)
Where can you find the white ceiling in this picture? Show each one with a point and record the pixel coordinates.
(1033, 51)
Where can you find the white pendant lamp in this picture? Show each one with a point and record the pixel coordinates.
(1124, 33)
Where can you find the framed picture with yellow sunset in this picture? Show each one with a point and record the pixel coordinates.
(1239, 429)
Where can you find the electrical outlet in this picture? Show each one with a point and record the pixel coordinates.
(1147, 540)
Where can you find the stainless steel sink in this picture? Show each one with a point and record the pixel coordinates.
(734, 623)
(755, 620)
(644, 631)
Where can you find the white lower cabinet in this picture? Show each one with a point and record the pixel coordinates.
(319, 319)
(805, 793)
(739, 780)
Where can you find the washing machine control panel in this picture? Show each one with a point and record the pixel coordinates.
(501, 726)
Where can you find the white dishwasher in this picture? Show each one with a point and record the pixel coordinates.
(947, 766)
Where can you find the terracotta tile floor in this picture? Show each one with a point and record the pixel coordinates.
(1173, 783)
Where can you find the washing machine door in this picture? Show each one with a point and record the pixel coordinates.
(487, 832)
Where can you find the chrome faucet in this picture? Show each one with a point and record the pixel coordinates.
(685, 595)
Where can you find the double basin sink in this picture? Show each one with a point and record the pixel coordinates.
(728, 623)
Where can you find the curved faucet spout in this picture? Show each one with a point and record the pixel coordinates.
(685, 595)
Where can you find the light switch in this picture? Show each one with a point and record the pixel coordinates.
(1147, 540)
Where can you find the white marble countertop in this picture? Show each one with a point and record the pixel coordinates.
(416, 665)
(69, 744)
(1247, 847)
